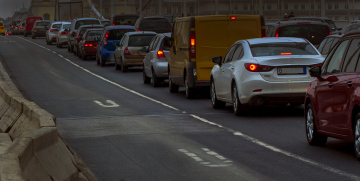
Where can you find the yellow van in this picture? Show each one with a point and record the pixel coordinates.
(195, 40)
(2, 28)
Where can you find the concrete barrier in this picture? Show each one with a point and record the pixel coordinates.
(4, 98)
(12, 114)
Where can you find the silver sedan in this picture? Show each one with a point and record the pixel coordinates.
(62, 35)
(263, 71)
(155, 61)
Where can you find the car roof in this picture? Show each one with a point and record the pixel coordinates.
(290, 22)
(355, 32)
(125, 15)
(256, 41)
(154, 17)
(335, 36)
(165, 34)
(95, 29)
(77, 19)
(320, 18)
(82, 26)
(141, 33)
(126, 27)
(105, 20)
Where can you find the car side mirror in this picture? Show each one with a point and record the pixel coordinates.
(315, 71)
(144, 49)
(217, 60)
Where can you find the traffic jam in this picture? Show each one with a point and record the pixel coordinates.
(292, 62)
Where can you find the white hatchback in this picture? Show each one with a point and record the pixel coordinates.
(263, 71)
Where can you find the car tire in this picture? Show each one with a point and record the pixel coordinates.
(238, 108)
(312, 135)
(216, 104)
(97, 59)
(173, 88)
(146, 79)
(102, 62)
(25, 35)
(83, 57)
(357, 136)
(189, 92)
(69, 49)
(124, 68)
(32, 37)
(117, 66)
(156, 82)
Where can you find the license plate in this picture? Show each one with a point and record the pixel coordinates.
(291, 71)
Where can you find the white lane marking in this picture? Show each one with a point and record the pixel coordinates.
(201, 160)
(53, 52)
(278, 150)
(258, 142)
(110, 102)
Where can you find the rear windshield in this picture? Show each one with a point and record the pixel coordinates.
(91, 35)
(117, 34)
(313, 32)
(86, 22)
(1, 24)
(140, 40)
(42, 23)
(331, 24)
(275, 49)
(165, 44)
(155, 24)
(66, 26)
(125, 20)
(56, 26)
(105, 23)
(83, 30)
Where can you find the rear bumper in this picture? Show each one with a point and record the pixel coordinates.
(161, 69)
(106, 55)
(133, 60)
(89, 51)
(297, 98)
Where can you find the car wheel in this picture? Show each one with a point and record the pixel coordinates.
(102, 61)
(238, 108)
(69, 47)
(32, 37)
(83, 57)
(189, 92)
(357, 136)
(216, 104)
(124, 68)
(74, 51)
(146, 79)
(117, 66)
(155, 81)
(97, 59)
(312, 135)
(25, 35)
(173, 88)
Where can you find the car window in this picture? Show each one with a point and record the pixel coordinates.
(327, 46)
(91, 35)
(157, 42)
(275, 49)
(86, 22)
(1, 24)
(125, 20)
(151, 46)
(66, 26)
(331, 25)
(140, 40)
(334, 62)
(321, 46)
(42, 23)
(315, 33)
(165, 44)
(239, 53)
(352, 56)
(56, 25)
(123, 40)
(229, 55)
(117, 34)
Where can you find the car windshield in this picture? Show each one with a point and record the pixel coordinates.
(140, 40)
(117, 34)
(1, 24)
(331, 24)
(275, 49)
(155, 24)
(125, 20)
(86, 22)
(91, 35)
(315, 33)
(66, 26)
(56, 26)
(42, 23)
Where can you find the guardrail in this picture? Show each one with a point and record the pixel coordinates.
(30, 146)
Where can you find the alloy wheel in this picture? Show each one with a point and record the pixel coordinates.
(357, 138)
(310, 124)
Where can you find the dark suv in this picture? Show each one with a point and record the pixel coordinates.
(155, 24)
(334, 29)
(75, 24)
(332, 102)
(314, 31)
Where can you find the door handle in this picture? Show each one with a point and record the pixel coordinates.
(330, 85)
(232, 67)
(349, 84)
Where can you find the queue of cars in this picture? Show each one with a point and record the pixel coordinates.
(245, 65)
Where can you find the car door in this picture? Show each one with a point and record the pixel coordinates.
(323, 92)
(220, 84)
(148, 56)
(229, 71)
(343, 90)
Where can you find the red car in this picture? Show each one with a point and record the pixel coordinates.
(89, 42)
(332, 102)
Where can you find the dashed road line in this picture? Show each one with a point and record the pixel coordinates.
(236, 133)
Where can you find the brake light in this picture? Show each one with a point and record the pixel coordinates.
(257, 68)
(106, 37)
(285, 53)
(113, 24)
(34, 28)
(160, 54)
(232, 17)
(21, 27)
(12, 26)
(126, 51)
(64, 33)
(1, 27)
(139, 30)
(73, 33)
(52, 30)
(277, 32)
(192, 45)
(329, 30)
(88, 45)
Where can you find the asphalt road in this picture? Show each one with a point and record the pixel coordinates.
(126, 130)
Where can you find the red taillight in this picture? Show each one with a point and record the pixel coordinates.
(64, 33)
(160, 54)
(277, 32)
(12, 26)
(106, 37)
(257, 68)
(139, 30)
(88, 45)
(73, 34)
(79, 38)
(192, 45)
(1, 27)
(329, 30)
(34, 28)
(52, 30)
(126, 51)
(113, 24)
(285, 53)
(232, 17)
(21, 27)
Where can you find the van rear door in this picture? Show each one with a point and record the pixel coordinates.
(243, 27)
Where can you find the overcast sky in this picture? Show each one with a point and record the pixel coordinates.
(8, 7)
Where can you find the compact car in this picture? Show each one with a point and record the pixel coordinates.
(80, 32)
(332, 102)
(128, 51)
(88, 43)
(52, 31)
(263, 71)
(2, 28)
(62, 35)
(39, 28)
(156, 60)
(75, 24)
(110, 37)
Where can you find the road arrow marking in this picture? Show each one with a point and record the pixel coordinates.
(112, 103)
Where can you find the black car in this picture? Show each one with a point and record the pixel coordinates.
(155, 24)
(124, 19)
